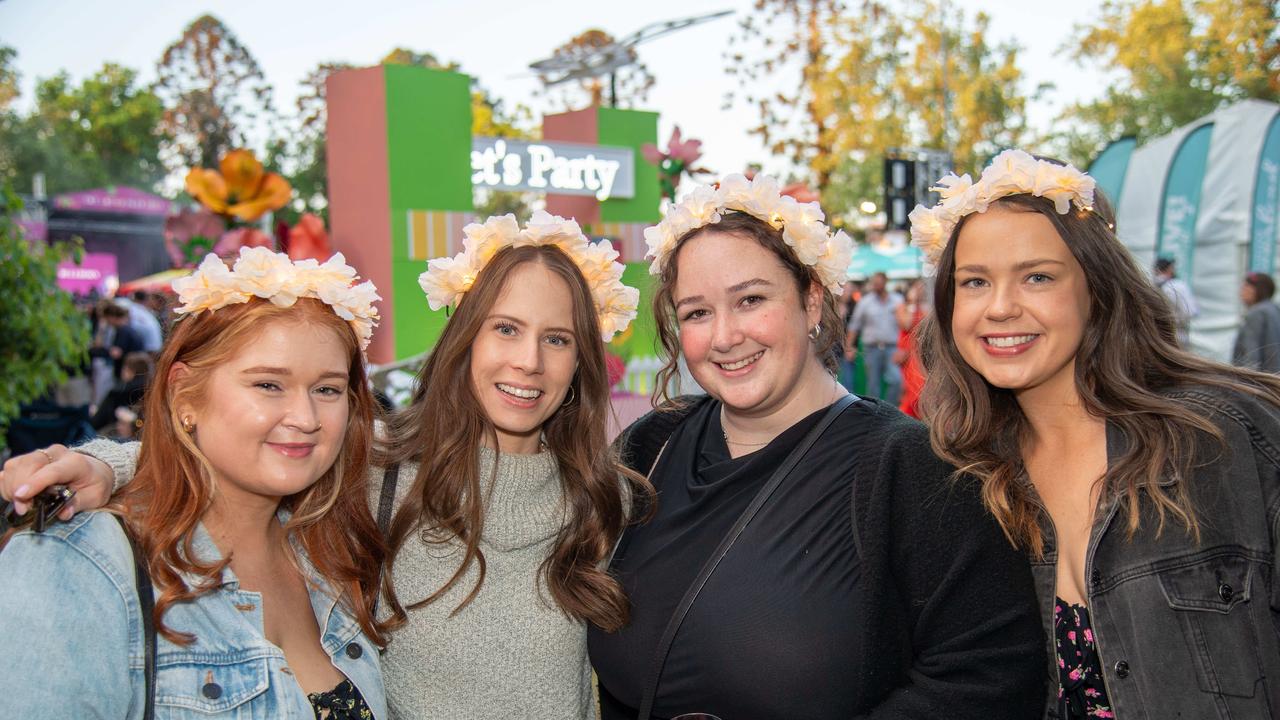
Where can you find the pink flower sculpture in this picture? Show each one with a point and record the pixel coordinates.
(192, 234)
(675, 162)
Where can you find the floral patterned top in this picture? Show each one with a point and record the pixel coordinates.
(1081, 693)
(344, 702)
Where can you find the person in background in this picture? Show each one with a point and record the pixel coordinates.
(875, 325)
(143, 321)
(135, 373)
(910, 314)
(845, 307)
(116, 337)
(1180, 297)
(1257, 344)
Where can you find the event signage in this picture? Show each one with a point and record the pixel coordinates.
(597, 171)
(1265, 229)
(95, 273)
(1181, 206)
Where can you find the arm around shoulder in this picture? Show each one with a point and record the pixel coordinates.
(978, 647)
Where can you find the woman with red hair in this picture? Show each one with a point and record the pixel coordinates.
(236, 575)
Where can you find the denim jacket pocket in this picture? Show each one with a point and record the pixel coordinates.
(210, 684)
(1211, 601)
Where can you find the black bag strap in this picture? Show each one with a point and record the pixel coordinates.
(386, 499)
(147, 602)
(762, 496)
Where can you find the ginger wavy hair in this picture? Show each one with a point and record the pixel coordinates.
(173, 487)
(751, 229)
(1129, 354)
(445, 425)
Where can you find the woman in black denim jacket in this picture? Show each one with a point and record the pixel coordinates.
(1143, 480)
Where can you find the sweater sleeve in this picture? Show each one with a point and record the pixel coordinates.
(121, 457)
(976, 642)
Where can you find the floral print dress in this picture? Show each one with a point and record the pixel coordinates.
(344, 702)
(1081, 693)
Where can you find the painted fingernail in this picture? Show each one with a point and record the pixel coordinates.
(22, 491)
(69, 511)
(20, 507)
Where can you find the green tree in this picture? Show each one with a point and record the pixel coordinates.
(1172, 61)
(104, 131)
(214, 94)
(874, 77)
(8, 77)
(44, 332)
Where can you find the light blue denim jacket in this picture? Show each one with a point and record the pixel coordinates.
(72, 626)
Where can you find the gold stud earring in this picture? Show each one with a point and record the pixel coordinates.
(188, 425)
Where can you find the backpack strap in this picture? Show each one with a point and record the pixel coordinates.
(147, 602)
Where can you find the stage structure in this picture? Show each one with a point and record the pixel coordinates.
(403, 167)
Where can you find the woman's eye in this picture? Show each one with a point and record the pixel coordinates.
(752, 300)
(505, 329)
(267, 386)
(1039, 278)
(694, 315)
(558, 340)
(330, 390)
(972, 282)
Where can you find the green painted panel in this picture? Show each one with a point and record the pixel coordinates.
(428, 140)
(632, 128)
(641, 337)
(416, 326)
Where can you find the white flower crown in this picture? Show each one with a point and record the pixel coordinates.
(801, 224)
(446, 279)
(258, 272)
(1012, 172)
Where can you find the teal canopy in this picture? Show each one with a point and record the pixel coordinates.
(907, 262)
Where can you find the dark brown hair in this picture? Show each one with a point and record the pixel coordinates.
(1264, 287)
(173, 489)
(1128, 354)
(750, 228)
(446, 502)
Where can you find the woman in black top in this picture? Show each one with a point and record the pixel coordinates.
(868, 584)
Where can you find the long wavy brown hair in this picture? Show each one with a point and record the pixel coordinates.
(445, 425)
(173, 487)
(750, 229)
(1128, 355)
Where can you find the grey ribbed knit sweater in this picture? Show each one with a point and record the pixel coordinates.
(511, 653)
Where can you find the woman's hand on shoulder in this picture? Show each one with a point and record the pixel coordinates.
(25, 476)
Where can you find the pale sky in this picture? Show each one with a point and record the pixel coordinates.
(494, 40)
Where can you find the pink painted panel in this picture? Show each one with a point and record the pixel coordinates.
(580, 126)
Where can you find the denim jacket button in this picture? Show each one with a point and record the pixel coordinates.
(1226, 592)
(213, 691)
(1122, 669)
(354, 651)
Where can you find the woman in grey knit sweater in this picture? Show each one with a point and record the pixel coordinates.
(507, 498)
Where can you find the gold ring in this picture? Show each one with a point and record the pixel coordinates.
(46, 455)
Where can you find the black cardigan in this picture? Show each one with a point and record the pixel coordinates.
(955, 632)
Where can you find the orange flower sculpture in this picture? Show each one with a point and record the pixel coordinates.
(241, 190)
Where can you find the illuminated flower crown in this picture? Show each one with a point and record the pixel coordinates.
(801, 224)
(446, 279)
(258, 272)
(1012, 172)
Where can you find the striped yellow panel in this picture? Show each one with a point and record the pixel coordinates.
(435, 233)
